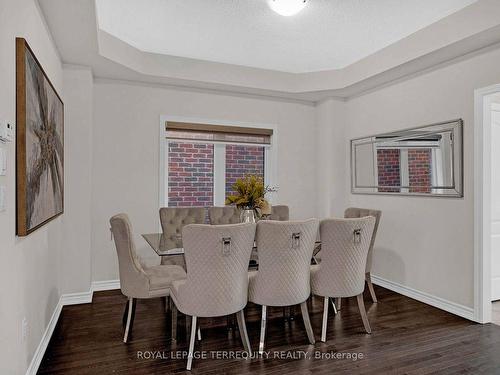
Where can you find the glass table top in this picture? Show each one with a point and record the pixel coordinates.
(168, 245)
(164, 245)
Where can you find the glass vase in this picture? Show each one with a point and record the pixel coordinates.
(247, 215)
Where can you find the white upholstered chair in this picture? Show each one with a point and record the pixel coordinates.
(172, 220)
(341, 273)
(217, 258)
(279, 212)
(136, 280)
(354, 212)
(285, 249)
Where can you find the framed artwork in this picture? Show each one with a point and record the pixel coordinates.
(39, 144)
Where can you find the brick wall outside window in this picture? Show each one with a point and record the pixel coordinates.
(419, 170)
(190, 174)
(242, 160)
(388, 170)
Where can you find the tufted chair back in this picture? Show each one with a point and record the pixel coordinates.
(133, 279)
(280, 213)
(344, 248)
(354, 212)
(224, 215)
(285, 250)
(217, 258)
(173, 219)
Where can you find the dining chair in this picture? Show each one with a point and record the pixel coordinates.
(354, 212)
(345, 244)
(172, 220)
(136, 280)
(282, 213)
(224, 215)
(283, 279)
(279, 213)
(217, 259)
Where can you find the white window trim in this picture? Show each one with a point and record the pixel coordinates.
(270, 157)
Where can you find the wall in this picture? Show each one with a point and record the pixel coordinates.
(125, 164)
(29, 275)
(75, 263)
(331, 151)
(426, 243)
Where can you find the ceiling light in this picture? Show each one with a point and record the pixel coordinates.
(287, 7)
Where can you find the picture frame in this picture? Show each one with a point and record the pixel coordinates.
(39, 144)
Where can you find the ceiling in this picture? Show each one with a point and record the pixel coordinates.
(80, 41)
(327, 34)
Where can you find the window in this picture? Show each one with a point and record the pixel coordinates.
(242, 160)
(190, 174)
(405, 169)
(202, 162)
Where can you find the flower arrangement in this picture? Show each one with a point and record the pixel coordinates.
(250, 194)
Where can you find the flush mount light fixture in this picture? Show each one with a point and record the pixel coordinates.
(287, 7)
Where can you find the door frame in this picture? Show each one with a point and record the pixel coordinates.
(482, 202)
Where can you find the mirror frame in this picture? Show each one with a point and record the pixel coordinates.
(453, 191)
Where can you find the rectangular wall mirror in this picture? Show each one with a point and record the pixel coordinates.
(424, 161)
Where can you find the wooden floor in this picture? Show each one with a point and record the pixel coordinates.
(408, 337)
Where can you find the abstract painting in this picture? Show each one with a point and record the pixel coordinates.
(39, 144)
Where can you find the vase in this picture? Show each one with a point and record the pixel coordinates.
(247, 215)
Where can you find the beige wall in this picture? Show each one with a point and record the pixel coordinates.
(29, 277)
(331, 122)
(75, 263)
(426, 243)
(125, 165)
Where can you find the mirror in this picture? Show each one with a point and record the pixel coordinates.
(425, 161)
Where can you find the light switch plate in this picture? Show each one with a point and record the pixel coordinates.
(2, 198)
(3, 161)
(6, 131)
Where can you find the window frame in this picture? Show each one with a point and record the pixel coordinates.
(219, 188)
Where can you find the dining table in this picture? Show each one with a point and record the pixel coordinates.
(171, 245)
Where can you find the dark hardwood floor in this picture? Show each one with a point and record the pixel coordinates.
(408, 337)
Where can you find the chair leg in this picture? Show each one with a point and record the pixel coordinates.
(191, 343)
(173, 308)
(262, 329)
(167, 303)
(230, 322)
(338, 303)
(307, 322)
(125, 314)
(240, 316)
(362, 311)
(198, 333)
(325, 319)
(130, 317)
(333, 305)
(368, 278)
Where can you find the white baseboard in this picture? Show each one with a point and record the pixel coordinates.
(44, 342)
(76, 298)
(105, 285)
(66, 300)
(451, 307)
